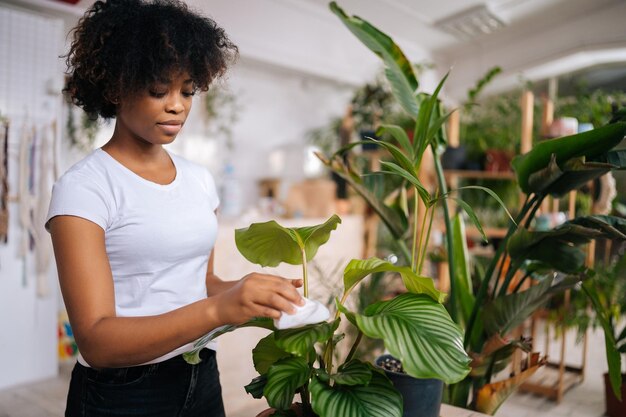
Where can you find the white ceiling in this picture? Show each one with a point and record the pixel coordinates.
(414, 20)
(541, 38)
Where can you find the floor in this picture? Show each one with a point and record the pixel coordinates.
(47, 398)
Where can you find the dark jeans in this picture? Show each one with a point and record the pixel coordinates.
(172, 388)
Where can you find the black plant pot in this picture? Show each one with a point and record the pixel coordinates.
(369, 146)
(614, 407)
(454, 158)
(421, 397)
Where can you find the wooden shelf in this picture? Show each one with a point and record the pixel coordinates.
(548, 383)
(504, 175)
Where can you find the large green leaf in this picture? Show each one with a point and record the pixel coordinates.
(398, 69)
(193, 357)
(464, 290)
(299, 341)
(266, 353)
(315, 236)
(555, 248)
(557, 181)
(419, 332)
(617, 158)
(377, 399)
(357, 269)
(558, 247)
(505, 313)
(256, 386)
(354, 372)
(591, 144)
(269, 243)
(613, 227)
(283, 379)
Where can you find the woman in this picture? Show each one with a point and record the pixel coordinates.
(133, 226)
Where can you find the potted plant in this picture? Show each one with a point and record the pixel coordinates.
(608, 298)
(489, 306)
(414, 326)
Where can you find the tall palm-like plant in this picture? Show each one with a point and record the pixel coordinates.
(551, 168)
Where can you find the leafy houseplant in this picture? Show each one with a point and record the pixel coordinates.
(491, 305)
(414, 326)
(608, 299)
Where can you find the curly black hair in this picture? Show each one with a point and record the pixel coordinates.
(122, 47)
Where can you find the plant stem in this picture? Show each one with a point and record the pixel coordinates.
(305, 277)
(514, 267)
(484, 286)
(446, 216)
(306, 402)
(424, 250)
(329, 357)
(531, 216)
(355, 345)
(415, 213)
(403, 248)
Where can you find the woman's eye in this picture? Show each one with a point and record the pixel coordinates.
(189, 93)
(157, 94)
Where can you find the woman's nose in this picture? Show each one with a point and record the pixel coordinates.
(174, 104)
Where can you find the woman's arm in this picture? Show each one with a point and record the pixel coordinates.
(105, 340)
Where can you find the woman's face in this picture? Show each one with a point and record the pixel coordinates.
(156, 115)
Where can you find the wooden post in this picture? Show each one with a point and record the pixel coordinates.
(526, 141)
(454, 124)
(547, 116)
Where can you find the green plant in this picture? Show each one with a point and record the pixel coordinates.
(590, 106)
(608, 298)
(220, 113)
(493, 123)
(81, 135)
(288, 361)
(488, 306)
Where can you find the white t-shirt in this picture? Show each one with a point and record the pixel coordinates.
(158, 237)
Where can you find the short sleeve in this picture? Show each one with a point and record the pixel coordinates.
(76, 195)
(212, 191)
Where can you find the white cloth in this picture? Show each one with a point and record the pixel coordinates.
(310, 313)
(158, 237)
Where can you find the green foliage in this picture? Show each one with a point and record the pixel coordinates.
(494, 123)
(221, 112)
(595, 106)
(81, 134)
(413, 320)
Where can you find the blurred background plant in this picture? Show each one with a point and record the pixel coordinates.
(221, 110)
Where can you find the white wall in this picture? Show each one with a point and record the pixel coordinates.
(29, 46)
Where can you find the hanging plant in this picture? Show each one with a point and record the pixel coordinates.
(82, 133)
(220, 114)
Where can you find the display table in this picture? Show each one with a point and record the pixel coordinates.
(449, 411)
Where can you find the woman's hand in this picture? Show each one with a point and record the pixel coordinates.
(258, 295)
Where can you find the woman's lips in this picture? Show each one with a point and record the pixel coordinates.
(170, 128)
